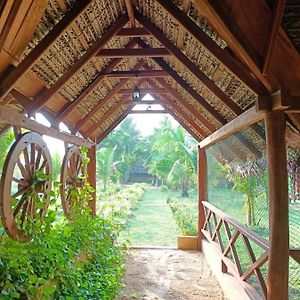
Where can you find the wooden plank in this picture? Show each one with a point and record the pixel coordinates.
(273, 35)
(11, 79)
(201, 76)
(222, 21)
(91, 171)
(17, 119)
(113, 125)
(277, 287)
(130, 12)
(148, 111)
(244, 120)
(144, 91)
(46, 95)
(202, 192)
(146, 52)
(133, 32)
(295, 254)
(136, 74)
(69, 107)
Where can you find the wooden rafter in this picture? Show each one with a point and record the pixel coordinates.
(69, 107)
(144, 91)
(133, 32)
(147, 52)
(46, 95)
(234, 107)
(136, 74)
(148, 111)
(224, 57)
(123, 101)
(273, 34)
(130, 12)
(11, 79)
(113, 125)
(17, 119)
(105, 100)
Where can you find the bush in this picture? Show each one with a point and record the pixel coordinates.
(119, 206)
(77, 260)
(184, 217)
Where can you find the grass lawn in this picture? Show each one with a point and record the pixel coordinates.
(151, 223)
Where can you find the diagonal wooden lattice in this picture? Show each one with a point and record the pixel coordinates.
(215, 222)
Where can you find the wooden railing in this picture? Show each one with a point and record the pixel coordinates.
(223, 232)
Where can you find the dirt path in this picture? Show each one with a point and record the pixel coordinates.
(169, 274)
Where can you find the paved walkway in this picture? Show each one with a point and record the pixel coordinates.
(170, 275)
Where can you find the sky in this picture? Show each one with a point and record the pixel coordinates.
(145, 123)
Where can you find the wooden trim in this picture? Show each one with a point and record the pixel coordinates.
(91, 171)
(146, 52)
(202, 192)
(46, 95)
(148, 111)
(11, 79)
(244, 120)
(69, 107)
(224, 24)
(273, 35)
(295, 254)
(133, 32)
(189, 64)
(278, 206)
(144, 91)
(18, 119)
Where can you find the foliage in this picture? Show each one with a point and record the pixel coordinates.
(6, 141)
(184, 217)
(56, 165)
(118, 206)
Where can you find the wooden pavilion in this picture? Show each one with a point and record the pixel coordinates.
(216, 66)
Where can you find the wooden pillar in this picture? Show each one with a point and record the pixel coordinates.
(202, 191)
(277, 283)
(91, 170)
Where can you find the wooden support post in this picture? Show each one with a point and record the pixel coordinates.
(277, 285)
(91, 170)
(202, 192)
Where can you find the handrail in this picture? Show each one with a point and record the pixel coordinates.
(262, 242)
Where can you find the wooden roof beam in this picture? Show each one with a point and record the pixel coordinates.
(273, 34)
(113, 125)
(188, 64)
(133, 32)
(11, 79)
(69, 107)
(17, 119)
(260, 86)
(148, 111)
(136, 74)
(130, 12)
(46, 95)
(146, 52)
(105, 100)
(144, 91)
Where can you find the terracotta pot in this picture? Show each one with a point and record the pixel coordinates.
(187, 242)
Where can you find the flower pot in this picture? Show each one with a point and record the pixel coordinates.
(187, 242)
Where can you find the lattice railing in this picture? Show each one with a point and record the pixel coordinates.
(242, 251)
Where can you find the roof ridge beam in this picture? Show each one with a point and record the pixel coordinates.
(11, 79)
(235, 66)
(45, 95)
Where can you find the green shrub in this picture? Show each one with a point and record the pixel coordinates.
(184, 217)
(77, 260)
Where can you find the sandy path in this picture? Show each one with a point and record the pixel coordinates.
(169, 274)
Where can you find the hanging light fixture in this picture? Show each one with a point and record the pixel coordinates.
(136, 94)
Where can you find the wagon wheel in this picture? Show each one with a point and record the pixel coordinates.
(72, 178)
(25, 186)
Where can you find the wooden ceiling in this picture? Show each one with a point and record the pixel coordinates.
(205, 62)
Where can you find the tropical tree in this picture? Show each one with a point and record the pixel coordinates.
(105, 164)
(6, 141)
(56, 165)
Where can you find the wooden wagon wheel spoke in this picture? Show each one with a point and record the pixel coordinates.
(31, 193)
(73, 169)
